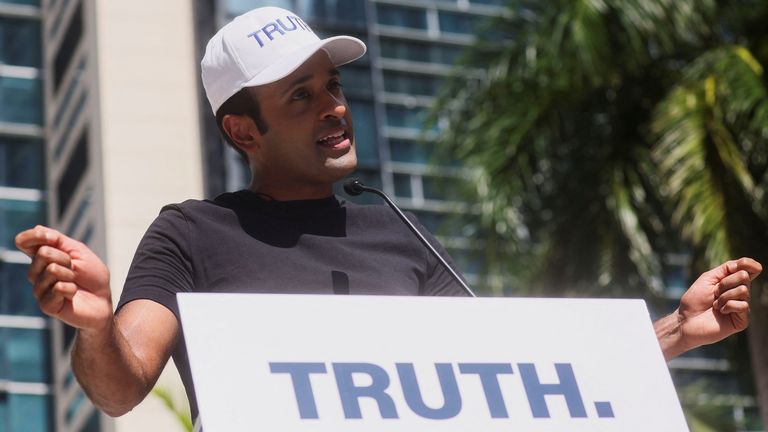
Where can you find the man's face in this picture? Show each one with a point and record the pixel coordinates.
(309, 143)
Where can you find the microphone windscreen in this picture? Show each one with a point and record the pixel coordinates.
(353, 187)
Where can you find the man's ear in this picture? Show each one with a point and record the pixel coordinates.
(242, 131)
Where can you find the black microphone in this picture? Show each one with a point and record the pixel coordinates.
(354, 187)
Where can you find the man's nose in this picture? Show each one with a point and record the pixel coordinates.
(335, 107)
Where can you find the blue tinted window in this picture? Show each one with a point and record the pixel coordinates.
(16, 293)
(24, 355)
(93, 424)
(365, 131)
(401, 16)
(356, 80)
(21, 163)
(443, 188)
(400, 116)
(28, 413)
(22, 2)
(21, 100)
(16, 216)
(20, 42)
(74, 406)
(446, 54)
(451, 22)
(350, 11)
(430, 220)
(419, 52)
(238, 7)
(404, 50)
(411, 84)
(403, 185)
(410, 151)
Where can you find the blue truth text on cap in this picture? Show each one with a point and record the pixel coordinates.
(277, 26)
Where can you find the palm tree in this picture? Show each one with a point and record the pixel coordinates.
(601, 129)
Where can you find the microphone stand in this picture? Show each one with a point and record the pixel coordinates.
(354, 187)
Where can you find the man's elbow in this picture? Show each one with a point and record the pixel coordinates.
(115, 408)
(113, 411)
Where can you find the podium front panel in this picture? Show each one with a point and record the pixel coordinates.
(383, 363)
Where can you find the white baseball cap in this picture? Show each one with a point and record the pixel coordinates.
(262, 46)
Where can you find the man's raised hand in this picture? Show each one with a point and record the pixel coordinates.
(69, 281)
(713, 308)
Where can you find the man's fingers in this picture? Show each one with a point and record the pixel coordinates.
(52, 274)
(735, 306)
(65, 289)
(740, 277)
(31, 240)
(46, 255)
(749, 265)
(51, 303)
(740, 293)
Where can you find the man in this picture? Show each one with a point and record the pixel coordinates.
(277, 96)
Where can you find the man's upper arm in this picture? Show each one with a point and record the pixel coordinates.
(151, 330)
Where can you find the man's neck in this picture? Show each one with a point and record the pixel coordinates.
(292, 192)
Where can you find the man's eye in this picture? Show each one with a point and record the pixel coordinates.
(335, 85)
(301, 94)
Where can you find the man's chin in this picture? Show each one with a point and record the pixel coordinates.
(340, 169)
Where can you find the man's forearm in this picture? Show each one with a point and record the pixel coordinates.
(108, 371)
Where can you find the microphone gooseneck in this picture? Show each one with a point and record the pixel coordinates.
(354, 187)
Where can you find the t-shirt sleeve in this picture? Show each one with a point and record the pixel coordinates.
(439, 281)
(162, 266)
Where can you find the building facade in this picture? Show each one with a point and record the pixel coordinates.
(26, 386)
(77, 122)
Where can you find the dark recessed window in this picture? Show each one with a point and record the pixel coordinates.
(73, 174)
(69, 44)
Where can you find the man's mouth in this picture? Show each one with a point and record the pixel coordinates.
(333, 139)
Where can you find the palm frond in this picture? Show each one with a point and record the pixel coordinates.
(703, 147)
(181, 414)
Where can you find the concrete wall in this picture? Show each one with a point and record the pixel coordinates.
(150, 140)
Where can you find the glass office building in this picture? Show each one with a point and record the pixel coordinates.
(25, 369)
(38, 62)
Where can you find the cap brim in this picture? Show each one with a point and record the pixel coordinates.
(341, 50)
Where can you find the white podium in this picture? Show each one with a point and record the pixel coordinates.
(359, 363)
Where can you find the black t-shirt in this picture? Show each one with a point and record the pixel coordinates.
(242, 243)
